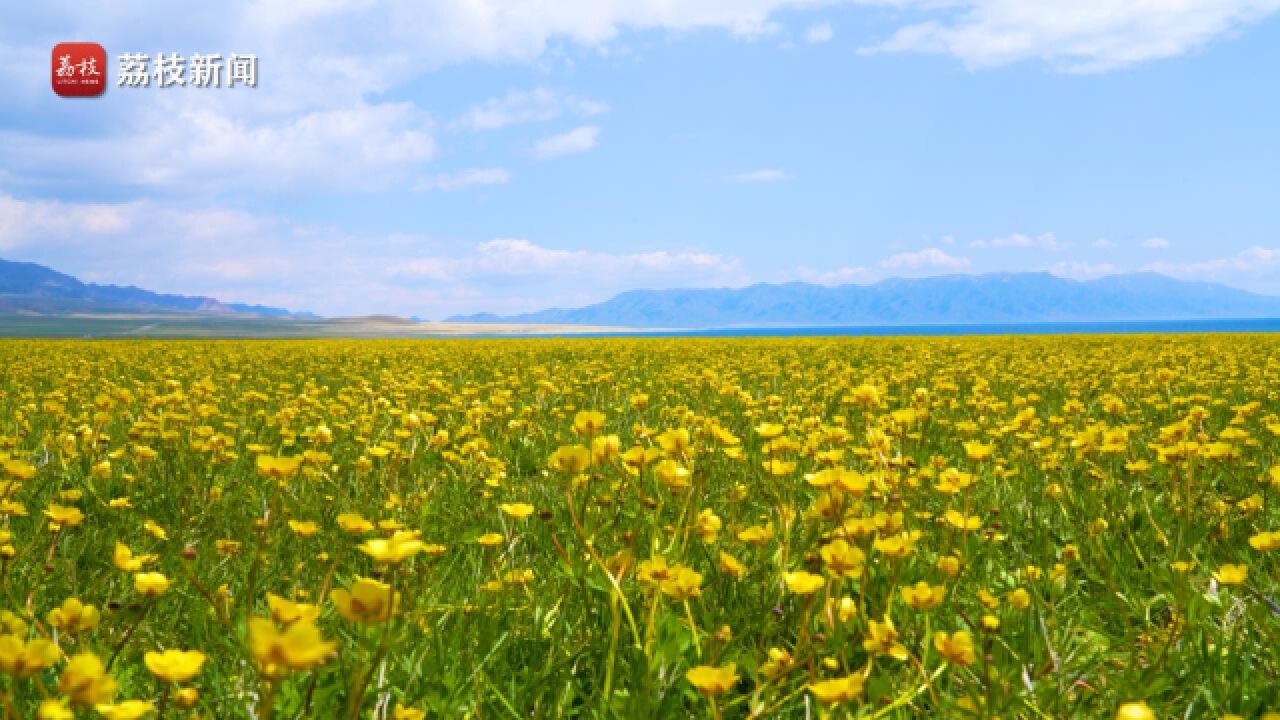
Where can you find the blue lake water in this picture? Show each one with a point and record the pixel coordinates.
(1242, 325)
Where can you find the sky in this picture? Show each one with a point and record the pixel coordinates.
(427, 158)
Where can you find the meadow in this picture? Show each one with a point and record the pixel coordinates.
(1031, 527)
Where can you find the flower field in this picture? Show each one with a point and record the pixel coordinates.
(1030, 527)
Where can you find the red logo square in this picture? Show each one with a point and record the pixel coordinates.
(79, 69)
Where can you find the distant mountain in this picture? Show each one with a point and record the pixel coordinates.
(35, 289)
(952, 299)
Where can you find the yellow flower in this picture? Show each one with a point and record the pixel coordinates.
(756, 534)
(708, 525)
(186, 698)
(175, 666)
(368, 601)
(730, 565)
(605, 448)
(837, 690)
(675, 442)
(882, 639)
(956, 648)
(150, 584)
(401, 545)
(63, 517)
(1135, 711)
(518, 577)
(977, 451)
(1265, 541)
(960, 521)
(304, 528)
(842, 559)
(1229, 574)
(85, 681)
(51, 709)
(20, 469)
(683, 584)
(654, 570)
(588, 422)
(490, 539)
(278, 468)
(286, 612)
(1020, 599)
(710, 680)
(779, 468)
(124, 559)
(897, 547)
(127, 710)
(300, 647)
(779, 662)
(74, 617)
(672, 474)
(803, 583)
(354, 523)
(24, 659)
(404, 713)
(923, 596)
(154, 530)
(949, 565)
(11, 624)
(769, 430)
(518, 511)
(570, 459)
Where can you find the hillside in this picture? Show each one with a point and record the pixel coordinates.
(953, 299)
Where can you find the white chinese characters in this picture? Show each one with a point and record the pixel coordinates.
(175, 70)
(88, 67)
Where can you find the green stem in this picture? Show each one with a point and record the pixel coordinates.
(129, 633)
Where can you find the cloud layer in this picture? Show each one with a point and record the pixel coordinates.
(1072, 35)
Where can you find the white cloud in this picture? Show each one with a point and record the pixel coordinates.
(23, 222)
(818, 34)
(1103, 243)
(1079, 270)
(1073, 35)
(759, 176)
(926, 260)
(527, 106)
(1253, 263)
(517, 257)
(297, 132)
(577, 140)
(1045, 241)
(840, 276)
(465, 179)
(1155, 243)
(242, 257)
(185, 146)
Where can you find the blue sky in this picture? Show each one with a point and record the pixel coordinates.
(431, 158)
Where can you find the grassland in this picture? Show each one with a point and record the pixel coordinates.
(1030, 527)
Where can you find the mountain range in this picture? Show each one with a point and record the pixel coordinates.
(996, 298)
(952, 299)
(35, 289)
